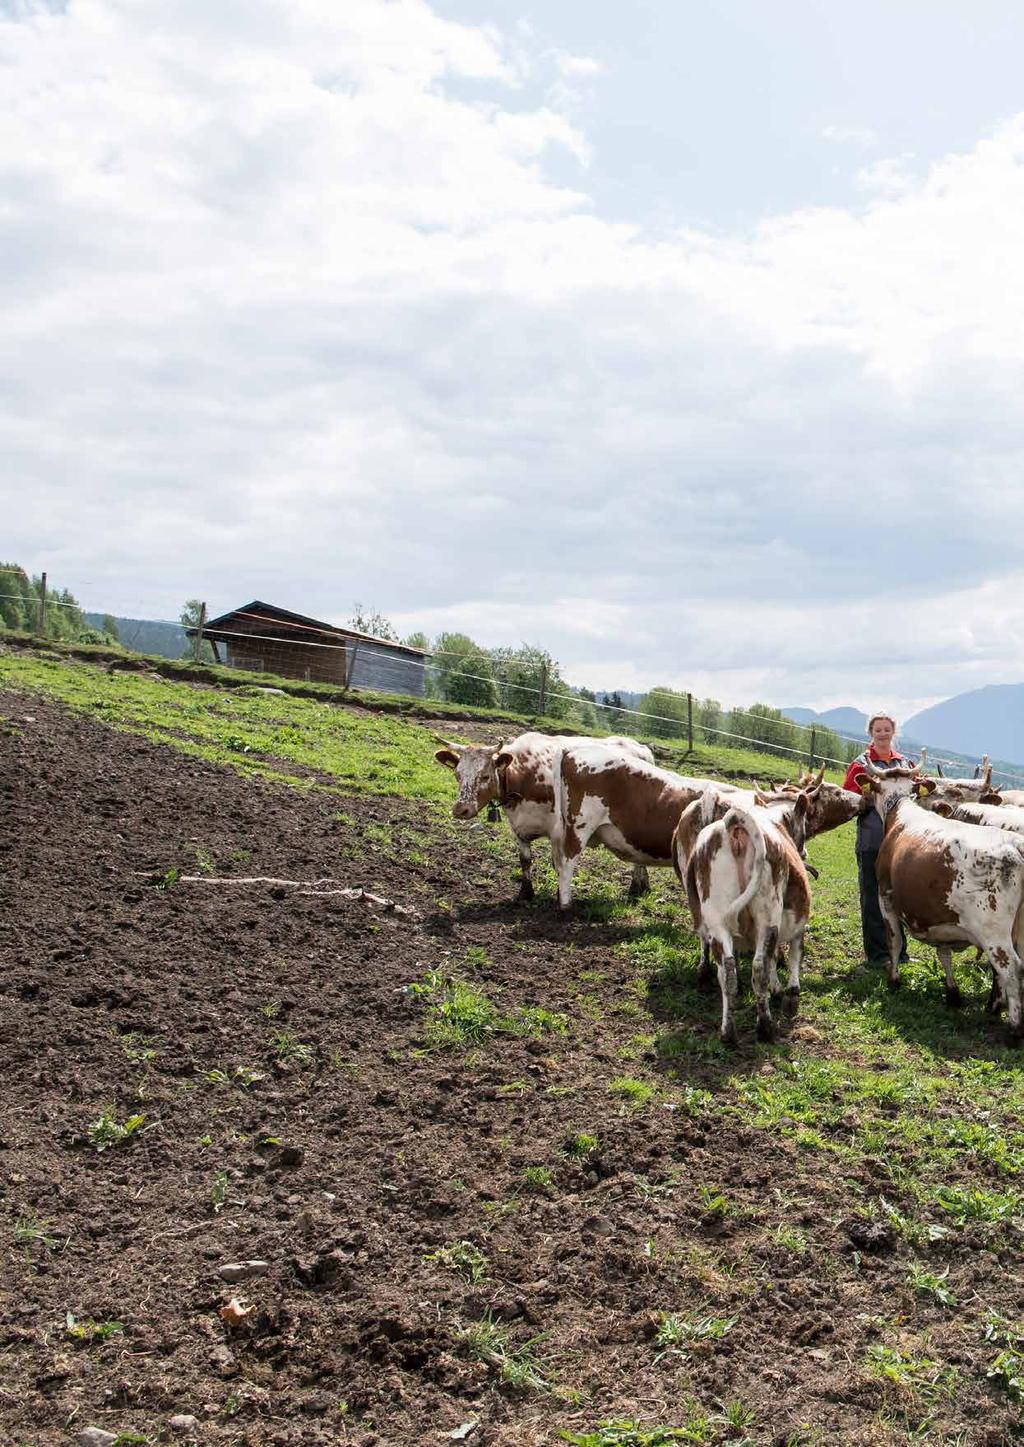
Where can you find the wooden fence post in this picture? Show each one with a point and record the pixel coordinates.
(689, 723)
(814, 744)
(41, 619)
(199, 632)
(542, 700)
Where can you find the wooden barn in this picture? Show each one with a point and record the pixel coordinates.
(264, 639)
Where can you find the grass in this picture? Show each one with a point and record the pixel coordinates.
(515, 1364)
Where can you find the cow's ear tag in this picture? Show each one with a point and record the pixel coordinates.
(865, 789)
(493, 812)
(920, 790)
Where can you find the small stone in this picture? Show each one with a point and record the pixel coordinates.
(233, 1271)
(183, 1423)
(95, 1437)
(223, 1359)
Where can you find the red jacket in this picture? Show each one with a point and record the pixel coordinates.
(857, 771)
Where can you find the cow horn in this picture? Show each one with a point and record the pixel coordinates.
(457, 748)
(941, 774)
(986, 776)
(924, 757)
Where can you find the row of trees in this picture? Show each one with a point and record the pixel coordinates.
(20, 597)
(768, 728)
(463, 671)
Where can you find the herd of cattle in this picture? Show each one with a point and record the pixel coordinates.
(950, 870)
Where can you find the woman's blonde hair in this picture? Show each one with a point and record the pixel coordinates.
(876, 716)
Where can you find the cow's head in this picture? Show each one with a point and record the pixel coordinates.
(477, 770)
(885, 787)
(828, 805)
(967, 791)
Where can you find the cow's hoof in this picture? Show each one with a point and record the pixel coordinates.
(526, 893)
(792, 1001)
(954, 999)
(728, 1034)
(1015, 1037)
(894, 984)
(765, 1030)
(706, 980)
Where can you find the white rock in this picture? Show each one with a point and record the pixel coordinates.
(242, 1270)
(95, 1437)
(183, 1423)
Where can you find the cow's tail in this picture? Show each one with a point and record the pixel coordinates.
(557, 801)
(745, 839)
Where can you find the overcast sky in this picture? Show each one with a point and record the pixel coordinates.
(684, 341)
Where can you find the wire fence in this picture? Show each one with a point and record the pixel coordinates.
(523, 683)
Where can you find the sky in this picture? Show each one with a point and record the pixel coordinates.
(683, 341)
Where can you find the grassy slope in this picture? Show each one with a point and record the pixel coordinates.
(923, 1099)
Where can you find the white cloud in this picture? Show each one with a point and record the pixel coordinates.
(862, 136)
(287, 314)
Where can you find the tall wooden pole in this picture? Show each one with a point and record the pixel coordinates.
(689, 723)
(41, 620)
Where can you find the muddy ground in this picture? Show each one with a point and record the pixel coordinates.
(373, 1178)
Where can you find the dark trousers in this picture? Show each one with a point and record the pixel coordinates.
(876, 944)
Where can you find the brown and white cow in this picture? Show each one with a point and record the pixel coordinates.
(748, 891)
(967, 791)
(627, 804)
(517, 777)
(951, 884)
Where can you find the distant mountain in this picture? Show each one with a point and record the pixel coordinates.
(983, 721)
(145, 635)
(849, 722)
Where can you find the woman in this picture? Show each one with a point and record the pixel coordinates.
(870, 831)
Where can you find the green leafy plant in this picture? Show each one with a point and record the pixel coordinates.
(106, 1131)
(32, 1231)
(636, 1093)
(89, 1330)
(926, 1283)
(290, 1051)
(919, 1377)
(488, 1340)
(580, 1144)
(676, 1335)
(462, 1257)
(538, 1178)
(219, 1192)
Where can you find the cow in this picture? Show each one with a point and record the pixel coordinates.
(517, 778)
(950, 883)
(627, 804)
(748, 890)
(968, 791)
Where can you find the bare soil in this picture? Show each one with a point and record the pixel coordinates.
(354, 1170)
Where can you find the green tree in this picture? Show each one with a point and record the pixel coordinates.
(19, 606)
(109, 627)
(771, 731)
(366, 620)
(417, 640)
(707, 713)
(528, 677)
(460, 671)
(191, 612)
(667, 713)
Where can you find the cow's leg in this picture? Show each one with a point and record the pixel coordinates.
(945, 956)
(1006, 964)
(526, 868)
(760, 972)
(705, 969)
(995, 1001)
(727, 982)
(566, 863)
(894, 937)
(796, 959)
(640, 882)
